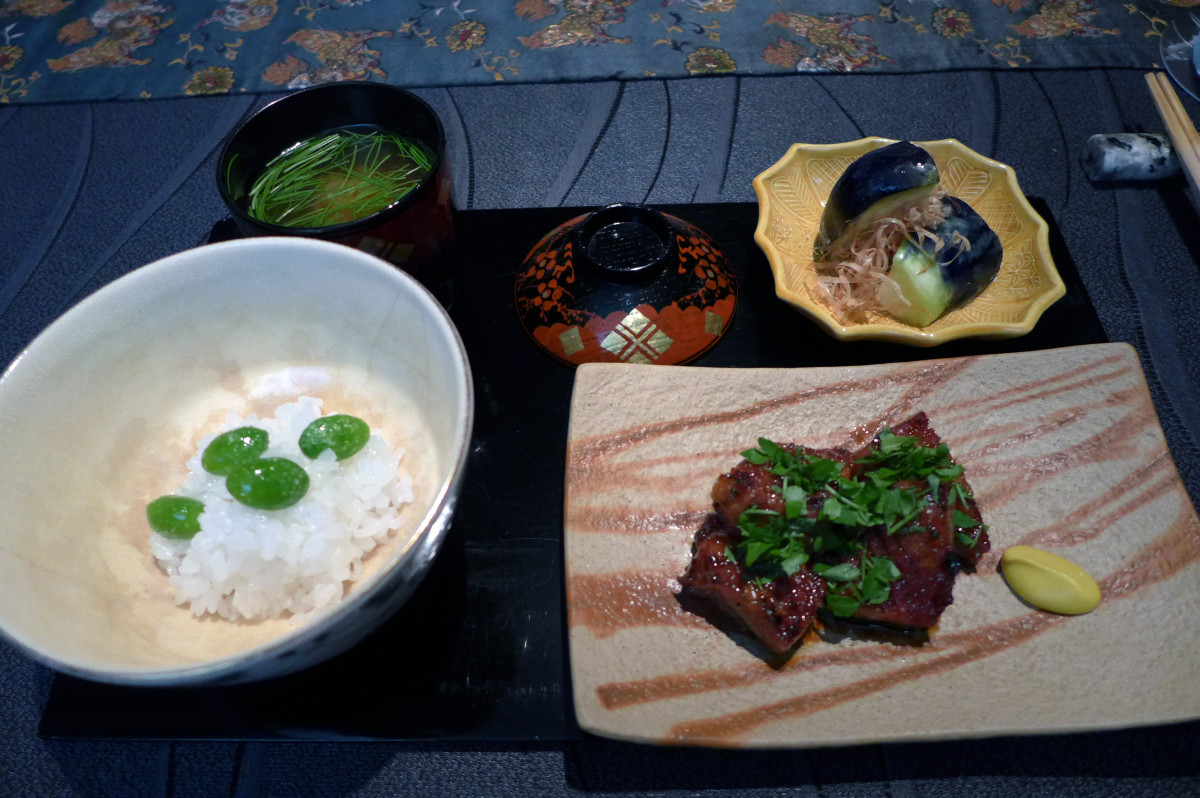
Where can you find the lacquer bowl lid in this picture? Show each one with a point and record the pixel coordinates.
(626, 284)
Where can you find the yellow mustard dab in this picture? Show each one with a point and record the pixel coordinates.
(1048, 581)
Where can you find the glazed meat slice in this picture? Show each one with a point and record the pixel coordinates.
(751, 484)
(945, 538)
(930, 557)
(778, 613)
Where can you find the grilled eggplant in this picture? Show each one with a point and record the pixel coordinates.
(943, 270)
(881, 183)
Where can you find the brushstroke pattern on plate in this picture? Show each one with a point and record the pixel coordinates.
(1064, 451)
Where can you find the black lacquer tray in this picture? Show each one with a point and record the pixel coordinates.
(479, 653)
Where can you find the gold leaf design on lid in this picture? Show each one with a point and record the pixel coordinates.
(713, 323)
(572, 341)
(637, 339)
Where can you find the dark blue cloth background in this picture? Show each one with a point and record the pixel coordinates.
(68, 50)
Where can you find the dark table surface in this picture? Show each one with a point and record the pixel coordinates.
(89, 192)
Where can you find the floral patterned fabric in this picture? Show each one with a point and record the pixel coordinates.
(58, 50)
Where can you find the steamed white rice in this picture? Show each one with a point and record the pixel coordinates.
(249, 564)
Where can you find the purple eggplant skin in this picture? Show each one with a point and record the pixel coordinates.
(879, 183)
(965, 271)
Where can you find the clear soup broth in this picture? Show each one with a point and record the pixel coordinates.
(339, 176)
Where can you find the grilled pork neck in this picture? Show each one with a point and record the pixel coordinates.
(893, 568)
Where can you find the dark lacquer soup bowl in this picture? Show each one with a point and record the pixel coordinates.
(409, 223)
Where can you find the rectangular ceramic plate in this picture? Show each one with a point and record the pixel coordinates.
(1064, 451)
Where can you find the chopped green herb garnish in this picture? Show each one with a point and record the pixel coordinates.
(964, 521)
(842, 606)
(907, 459)
(902, 477)
(851, 585)
(842, 572)
(772, 545)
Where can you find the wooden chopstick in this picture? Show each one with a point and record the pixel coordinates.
(1184, 137)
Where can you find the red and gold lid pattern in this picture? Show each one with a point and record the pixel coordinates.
(579, 315)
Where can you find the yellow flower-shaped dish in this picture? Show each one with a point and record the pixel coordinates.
(792, 196)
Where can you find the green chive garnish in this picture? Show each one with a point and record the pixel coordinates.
(338, 177)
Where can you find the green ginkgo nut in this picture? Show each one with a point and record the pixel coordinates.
(345, 435)
(272, 483)
(234, 448)
(175, 516)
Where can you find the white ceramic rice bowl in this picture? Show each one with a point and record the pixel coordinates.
(103, 409)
